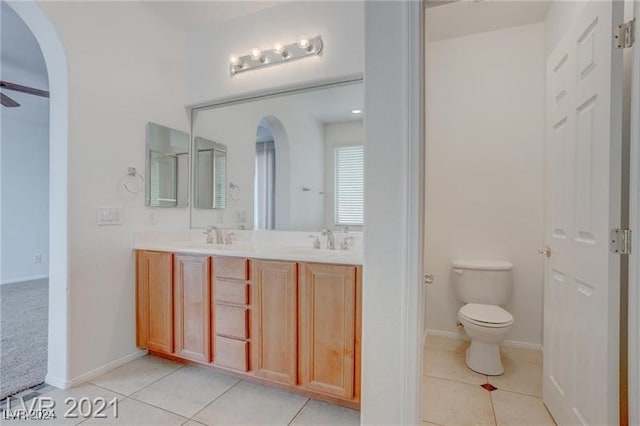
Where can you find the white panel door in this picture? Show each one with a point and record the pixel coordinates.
(581, 306)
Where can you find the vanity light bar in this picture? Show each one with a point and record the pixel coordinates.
(278, 54)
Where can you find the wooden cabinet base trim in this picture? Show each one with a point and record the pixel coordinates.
(249, 377)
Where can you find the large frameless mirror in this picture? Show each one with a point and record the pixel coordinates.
(292, 160)
(167, 167)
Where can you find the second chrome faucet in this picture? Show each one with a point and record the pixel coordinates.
(218, 232)
(331, 242)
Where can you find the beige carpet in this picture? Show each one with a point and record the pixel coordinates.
(24, 316)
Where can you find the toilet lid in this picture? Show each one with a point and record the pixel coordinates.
(486, 314)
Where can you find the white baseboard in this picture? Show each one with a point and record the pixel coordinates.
(507, 343)
(448, 334)
(56, 381)
(24, 279)
(66, 384)
(522, 345)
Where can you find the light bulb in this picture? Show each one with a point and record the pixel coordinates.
(356, 111)
(278, 48)
(235, 61)
(256, 55)
(303, 43)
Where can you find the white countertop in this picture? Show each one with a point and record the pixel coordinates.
(254, 244)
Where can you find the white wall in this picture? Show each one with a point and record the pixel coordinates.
(126, 67)
(25, 198)
(337, 134)
(392, 301)
(341, 25)
(485, 109)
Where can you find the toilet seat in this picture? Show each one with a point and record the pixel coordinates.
(491, 316)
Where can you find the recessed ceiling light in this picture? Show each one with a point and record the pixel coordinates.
(356, 111)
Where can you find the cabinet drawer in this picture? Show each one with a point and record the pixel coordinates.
(232, 292)
(232, 321)
(232, 353)
(231, 267)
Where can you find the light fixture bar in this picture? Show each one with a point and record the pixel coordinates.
(276, 55)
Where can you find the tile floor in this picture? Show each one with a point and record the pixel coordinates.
(155, 391)
(452, 394)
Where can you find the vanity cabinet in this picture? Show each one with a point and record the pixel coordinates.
(154, 298)
(328, 328)
(294, 324)
(192, 307)
(275, 326)
(231, 312)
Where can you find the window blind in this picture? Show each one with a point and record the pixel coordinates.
(349, 185)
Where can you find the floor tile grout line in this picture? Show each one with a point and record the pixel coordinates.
(299, 411)
(215, 399)
(148, 384)
(132, 397)
(455, 381)
(433, 423)
(476, 384)
(493, 408)
(180, 366)
(160, 408)
(103, 388)
(521, 393)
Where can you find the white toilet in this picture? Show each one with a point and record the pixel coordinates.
(483, 285)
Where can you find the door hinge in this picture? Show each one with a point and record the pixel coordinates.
(620, 241)
(625, 34)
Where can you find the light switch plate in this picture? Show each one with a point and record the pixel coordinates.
(109, 216)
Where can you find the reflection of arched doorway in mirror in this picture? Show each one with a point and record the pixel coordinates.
(271, 179)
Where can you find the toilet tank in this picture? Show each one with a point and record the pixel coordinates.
(482, 281)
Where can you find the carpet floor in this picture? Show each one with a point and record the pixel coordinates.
(24, 317)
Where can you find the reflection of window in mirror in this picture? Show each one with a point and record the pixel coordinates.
(164, 185)
(265, 179)
(349, 185)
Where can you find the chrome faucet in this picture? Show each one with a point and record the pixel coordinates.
(210, 229)
(331, 242)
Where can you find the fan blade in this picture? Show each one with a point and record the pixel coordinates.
(24, 89)
(7, 101)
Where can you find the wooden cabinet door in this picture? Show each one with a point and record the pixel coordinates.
(274, 339)
(192, 307)
(154, 316)
(327, 316)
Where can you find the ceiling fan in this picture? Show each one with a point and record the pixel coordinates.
(10, 103)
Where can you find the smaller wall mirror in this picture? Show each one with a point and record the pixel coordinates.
(167, 167)
(210, 183)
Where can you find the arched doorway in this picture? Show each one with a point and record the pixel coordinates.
(56, 63)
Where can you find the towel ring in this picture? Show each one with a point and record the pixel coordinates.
(133, 182)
